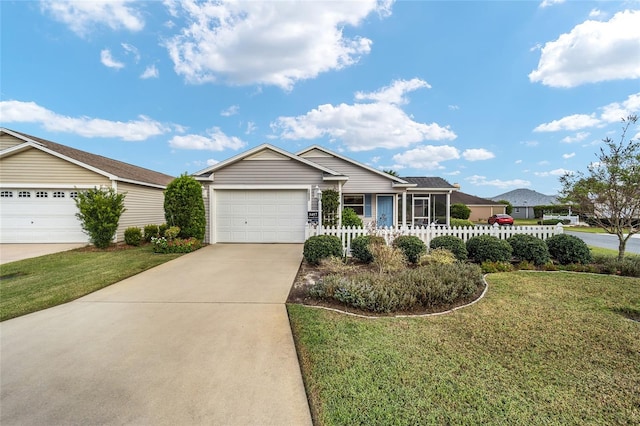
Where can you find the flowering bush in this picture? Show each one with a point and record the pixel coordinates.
(177, 245)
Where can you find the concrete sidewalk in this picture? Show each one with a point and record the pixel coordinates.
(203, 339)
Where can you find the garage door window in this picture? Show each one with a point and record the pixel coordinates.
(42, 194)
(58, 194)
(6, 194)
(73, 194)
(24, 194)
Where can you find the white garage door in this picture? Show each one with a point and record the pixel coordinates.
(39, 216)
(261, 216)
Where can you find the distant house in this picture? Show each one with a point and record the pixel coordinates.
(40, 178)
(524, 200)
(481, 208)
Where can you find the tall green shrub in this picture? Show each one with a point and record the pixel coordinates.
(330, 204)
(488, 247)
(529, 248)
(99, 211)
(184, 207)
(460, 211)
(568, 249)
(350, 218)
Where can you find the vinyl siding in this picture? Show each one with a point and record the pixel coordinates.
(145, 206)
(7, 141)
(36, 167)
(360, 180)
(268, 172)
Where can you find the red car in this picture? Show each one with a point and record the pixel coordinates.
(501, 219)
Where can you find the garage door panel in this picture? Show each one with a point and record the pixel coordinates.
(268, 216)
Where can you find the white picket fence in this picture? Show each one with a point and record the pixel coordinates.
(427, 233)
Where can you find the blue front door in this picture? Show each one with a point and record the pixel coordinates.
(385, 210)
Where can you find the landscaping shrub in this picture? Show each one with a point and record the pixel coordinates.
(320, 247)
(411, 289)
(568, 249)
(184, 206)
(351, 218)
(162, 229)
(628, 267)
(330, 204)
(151, 231)
(387, 259)
(460, 211)
(172, 233)
(490, 267)
(554, 221)
(99, 211)
(460, 222)
(529, 248)
(438, 256)
(487, 247)
(360, 247)
(177, 245)
(133, 236)
(454, 244)
(411, 246)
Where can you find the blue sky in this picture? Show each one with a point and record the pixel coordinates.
(491, 95)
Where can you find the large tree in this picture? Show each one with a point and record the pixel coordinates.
(609, 191)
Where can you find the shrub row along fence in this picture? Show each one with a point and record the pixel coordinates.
(427, 233)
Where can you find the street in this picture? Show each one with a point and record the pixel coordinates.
(608, 241)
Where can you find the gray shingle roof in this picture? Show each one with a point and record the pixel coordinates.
(471, 200)
(118, 168)
(526, 197)
(429, 182)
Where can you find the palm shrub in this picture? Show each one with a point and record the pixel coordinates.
(568, 249)
(99, 211)
(411, 246)
(184, 207)
(360, 247)
(454, 244)
(460, 211)
(488, 247)
(529, 248)
(133, 236)
(321, 247)
(350, 218)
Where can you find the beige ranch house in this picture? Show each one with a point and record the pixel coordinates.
(40, 178)
(265, 194)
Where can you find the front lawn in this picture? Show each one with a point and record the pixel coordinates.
(33, 284)
(540, 348)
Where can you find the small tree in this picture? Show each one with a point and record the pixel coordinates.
(99, 210)
(184, 207)
(460, 211)
(330, 204)
(351, 218)
(610, 190)
(509, 208)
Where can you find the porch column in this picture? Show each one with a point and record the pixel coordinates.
(448, 214)
(340, 203)
(404, 209)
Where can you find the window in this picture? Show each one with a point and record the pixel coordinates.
(42, 194)
(73, 194)
(420, 211)
(355, 202)
(24, 194)
(6, 194)
(58, 194)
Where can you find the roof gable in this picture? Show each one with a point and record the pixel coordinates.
(109, 167)
(430, 182)
(471, 200)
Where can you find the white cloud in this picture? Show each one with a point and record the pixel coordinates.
(543, 163)
(454, 107)
(232, 110)
(83, 16)
(251, 127)
(547, 3)
(150, 72)
(571, 122)
(530, 144)
(426, 157)
(614, 112)
(592, 51)
(394, 94)
(375, 159)
(361, 127)
(596, 13)
(108, 61)
(556, 172)
(131, 50)
(568, 155)
(518, 162)
(215, 140)
(500, 183)
(271, 43)
(477, 154)
(580, 136)
(30, 112)
(212, 162)
(454, 173)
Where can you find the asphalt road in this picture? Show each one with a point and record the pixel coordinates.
(608, 241)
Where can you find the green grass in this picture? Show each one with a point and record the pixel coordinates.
(540, 348)
(33, 284)
(587, 229)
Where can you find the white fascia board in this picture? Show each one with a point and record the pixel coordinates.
(259, 148)
(18, 135)
(443, 190)
(137, 182)
(364, 166)
(334, 178)
(258, 186)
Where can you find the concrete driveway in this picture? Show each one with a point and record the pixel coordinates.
(203, 339)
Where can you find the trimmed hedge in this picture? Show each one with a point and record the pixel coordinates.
(460, 211)
(321, 247)
(351, 218)
(411, 246)
(454, 244)
(133, 236)
(487, 247)
(568, 249)
(460, 222)
(529, 248)
(151, 231)
(360, 247)
(554, 221)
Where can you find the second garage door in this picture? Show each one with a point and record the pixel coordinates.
(260, 216)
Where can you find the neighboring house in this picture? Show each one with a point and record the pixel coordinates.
(266, 193)
(524, 200)
(481, 208)
(40, 178)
